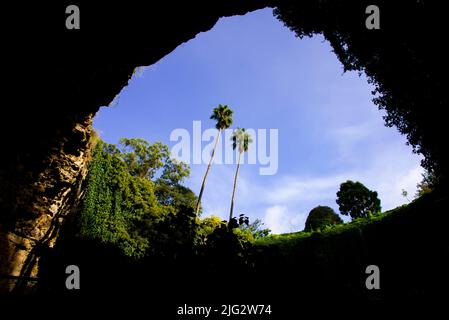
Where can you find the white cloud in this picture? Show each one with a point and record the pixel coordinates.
(355, 132)
(390, 189)
(296, 188)
(280, 220)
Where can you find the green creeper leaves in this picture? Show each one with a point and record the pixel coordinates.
(122, 204)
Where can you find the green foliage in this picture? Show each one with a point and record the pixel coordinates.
(128, 207)
(175, 235)
(174, 195)
(288, 240)
(320, 217)
(145, 160)
(174, 172)
(429, 181)
(228, 245)
(337, 240)
(115, 203)
(241, 228)
(223, 116)
(255, 228)
(356, 200)
(122, 206)
(207, 226)
(141, 159)
(241, 140)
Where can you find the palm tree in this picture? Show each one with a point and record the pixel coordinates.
(223, 116)
(241, 140)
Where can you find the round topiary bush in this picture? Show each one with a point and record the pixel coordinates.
(320, 217)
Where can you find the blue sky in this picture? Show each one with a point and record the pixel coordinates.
(329, 129)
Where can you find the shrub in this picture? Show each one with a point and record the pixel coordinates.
(320, 217)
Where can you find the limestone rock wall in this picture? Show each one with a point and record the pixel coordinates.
(44, 205)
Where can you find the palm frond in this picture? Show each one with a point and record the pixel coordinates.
(241, 139)
(223, 115)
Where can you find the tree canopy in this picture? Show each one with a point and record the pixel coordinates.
(429, 181)
(356, 200)
(320, 217)
(223, 117)
(135, 201)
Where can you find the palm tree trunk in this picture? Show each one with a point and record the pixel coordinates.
(233, 191)
(197, 209)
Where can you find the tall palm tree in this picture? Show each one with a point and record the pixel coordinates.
(241, 140)
(223, 116)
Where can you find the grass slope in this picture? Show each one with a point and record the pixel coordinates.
(409, 244)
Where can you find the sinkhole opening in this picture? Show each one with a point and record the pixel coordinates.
(312, 126)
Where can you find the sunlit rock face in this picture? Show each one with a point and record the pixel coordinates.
(40, 208)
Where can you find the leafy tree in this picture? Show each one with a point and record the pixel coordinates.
(174, 172)
(168, 188)
(174, 195)
(428, 183)
(241, 227)
(356, 200)
(116, 204)
(174, 236)
(223, 117)
(255, 228)
(122, 206)
(206, 227)
(142, 158)
(130, 208)
(146, 160)
(240, 141)
(320, 217)
(228, 245)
